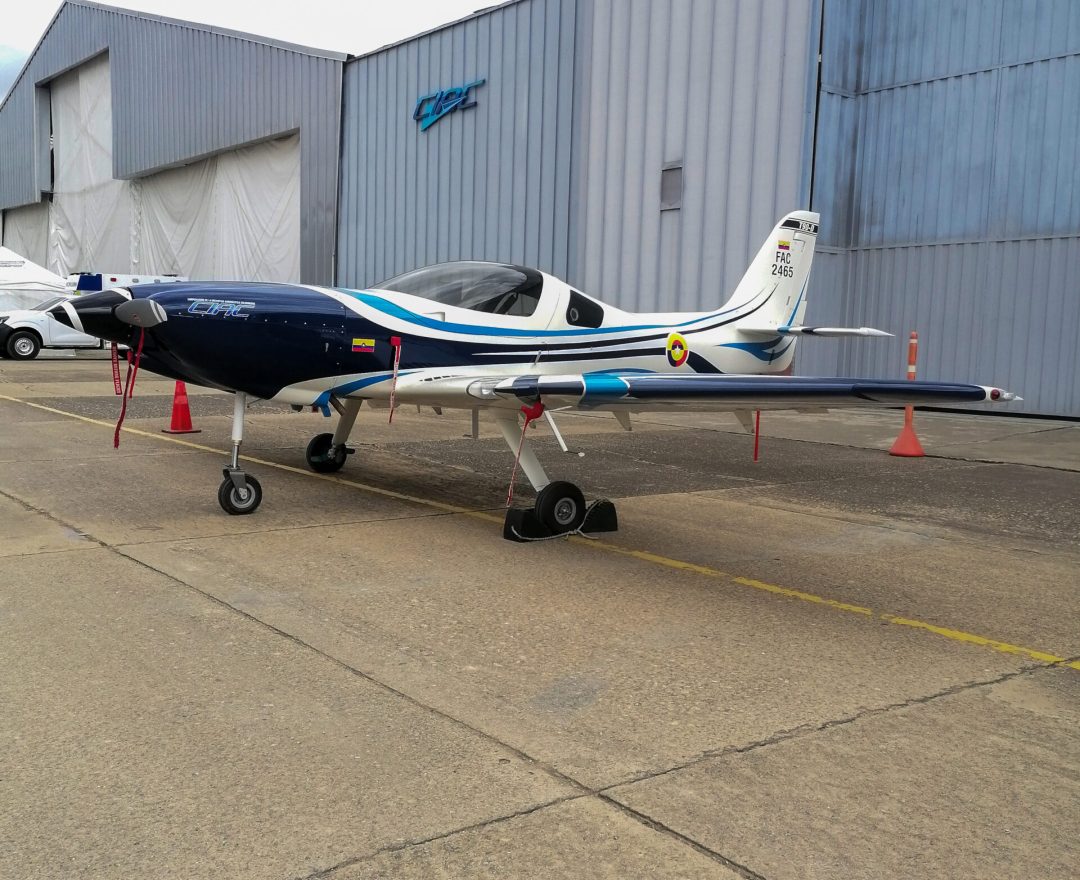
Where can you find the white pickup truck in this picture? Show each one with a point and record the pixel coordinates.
(24, 332)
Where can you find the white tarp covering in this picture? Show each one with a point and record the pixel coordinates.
(23, 283)
(26, 231)
(90, 216)
(233, 216)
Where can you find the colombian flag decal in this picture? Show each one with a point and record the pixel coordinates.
(677, 350)
(364, 345)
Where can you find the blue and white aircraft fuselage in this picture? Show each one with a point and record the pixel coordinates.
(495, 337)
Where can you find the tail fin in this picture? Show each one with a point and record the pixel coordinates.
(779, 273)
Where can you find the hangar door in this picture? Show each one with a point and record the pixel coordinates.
(26, 231)
(232, 216)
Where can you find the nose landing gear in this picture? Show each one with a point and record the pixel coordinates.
(239, 494)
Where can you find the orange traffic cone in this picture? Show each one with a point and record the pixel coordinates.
(907, 444)
(181, 413)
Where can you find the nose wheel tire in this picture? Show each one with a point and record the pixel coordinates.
(23, 346)
(561, 507)
(321, 455)
(239, 501)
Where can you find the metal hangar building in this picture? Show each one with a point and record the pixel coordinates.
(641, 149)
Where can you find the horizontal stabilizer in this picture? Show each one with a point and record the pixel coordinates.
(787, 330)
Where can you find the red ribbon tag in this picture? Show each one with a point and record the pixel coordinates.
(117, 387)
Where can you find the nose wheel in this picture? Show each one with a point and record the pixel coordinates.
(239, 493)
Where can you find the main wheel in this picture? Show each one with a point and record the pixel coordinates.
(318, 454)
(560, 506)
(22, 345)
(238, 502)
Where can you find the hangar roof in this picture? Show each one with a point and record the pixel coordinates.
(192, 25)
(180, 92)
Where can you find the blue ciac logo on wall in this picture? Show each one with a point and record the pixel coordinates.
(433, 107)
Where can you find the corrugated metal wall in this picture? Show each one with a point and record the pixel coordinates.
(962, 218)
(559, 163)
(489, 182)
(182, 92)
(725, 90)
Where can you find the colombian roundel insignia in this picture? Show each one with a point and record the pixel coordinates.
(677, 350)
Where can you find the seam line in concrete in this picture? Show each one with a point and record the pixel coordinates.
(524, 756)
(661, 828)
(596, 544)
(581, 790)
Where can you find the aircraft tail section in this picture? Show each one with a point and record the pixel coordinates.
(779, 274)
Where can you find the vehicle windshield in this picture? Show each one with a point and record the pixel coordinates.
(483, 287)
(48, 304)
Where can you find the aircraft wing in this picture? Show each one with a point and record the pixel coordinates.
(642, 392)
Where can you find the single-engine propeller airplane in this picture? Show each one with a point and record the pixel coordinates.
(495, 337)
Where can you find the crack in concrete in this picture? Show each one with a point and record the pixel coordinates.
(443, 835)
(522, 755)
(804, 730)
(580, 789)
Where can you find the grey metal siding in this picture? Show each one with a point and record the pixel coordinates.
(825, 305)
(180, 93)
(995, 312)
(962, 219)
(721, 88)
(489, 182)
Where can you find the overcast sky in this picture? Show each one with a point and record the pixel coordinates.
(354, 26)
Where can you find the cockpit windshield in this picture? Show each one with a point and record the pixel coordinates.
(496, 288)
(48, 304)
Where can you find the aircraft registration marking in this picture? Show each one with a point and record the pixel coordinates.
(606, 547)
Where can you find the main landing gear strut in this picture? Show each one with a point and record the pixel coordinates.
(326, 453)
(560, 507)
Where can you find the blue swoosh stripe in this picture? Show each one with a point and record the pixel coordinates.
(761, 350)
(357, 384)
(396, 311)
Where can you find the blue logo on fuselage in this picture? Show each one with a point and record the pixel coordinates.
(431, 108)
(226, 308)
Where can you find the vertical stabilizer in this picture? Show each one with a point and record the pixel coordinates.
(780, 272)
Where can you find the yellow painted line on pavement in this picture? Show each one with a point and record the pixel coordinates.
(955, 635)
(389, 493)
(960, 636)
